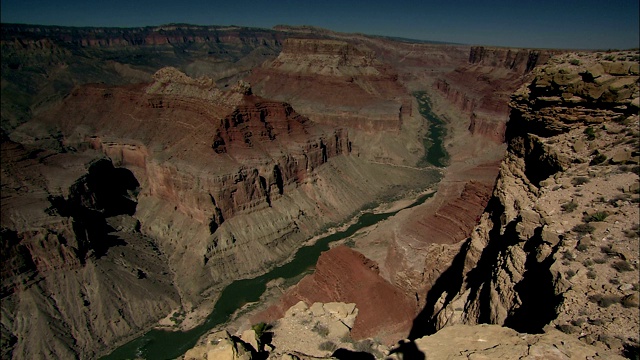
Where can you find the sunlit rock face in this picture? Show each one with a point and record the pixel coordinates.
(562, 221)
(335, 82)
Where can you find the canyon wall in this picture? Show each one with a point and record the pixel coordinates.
(558, 243)
(216, 185)
(150, 35)
(335, 82)
(519, 60)
(552, 263)
(412, 251)
(481, 88)
(71, 56)
(341, 82)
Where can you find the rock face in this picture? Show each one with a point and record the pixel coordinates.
(59, 219)
(562, 223)
(475, 90)
(335, 82)
(520, 60)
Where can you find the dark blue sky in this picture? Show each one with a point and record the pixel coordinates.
(579, 24)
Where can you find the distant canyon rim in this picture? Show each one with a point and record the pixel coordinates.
(146, 169)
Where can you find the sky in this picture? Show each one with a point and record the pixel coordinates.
(567, 24)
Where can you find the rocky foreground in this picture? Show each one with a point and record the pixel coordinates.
(550, 270)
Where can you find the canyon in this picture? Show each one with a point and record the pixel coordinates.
(145, 170)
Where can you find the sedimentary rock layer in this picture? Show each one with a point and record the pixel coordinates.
(481, 88)
(335, 82)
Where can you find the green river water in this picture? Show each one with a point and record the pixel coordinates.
(433, 143)
(162, 344)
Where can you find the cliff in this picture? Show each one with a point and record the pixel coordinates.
(557, 245)
(519, 60)
(335, 82)
(474, 88)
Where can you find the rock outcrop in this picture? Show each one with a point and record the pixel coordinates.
(558, 242)
(384, 311)
(319, 332)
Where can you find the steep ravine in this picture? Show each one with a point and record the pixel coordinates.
(409, 253)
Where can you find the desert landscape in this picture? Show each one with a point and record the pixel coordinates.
(229, 192)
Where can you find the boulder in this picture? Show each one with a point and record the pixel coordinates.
(249, 336)
(337, 329)
(298, 308)
(339, 310)
(579, 145)
(317, 309)
(621, 156)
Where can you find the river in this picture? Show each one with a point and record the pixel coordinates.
(436, 154)
(163, 344)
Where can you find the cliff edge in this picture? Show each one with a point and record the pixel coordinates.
(557, 246)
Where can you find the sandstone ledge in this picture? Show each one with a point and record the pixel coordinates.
(496, 342)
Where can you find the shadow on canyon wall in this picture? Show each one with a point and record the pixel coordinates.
(106, 191)
(535, 291)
